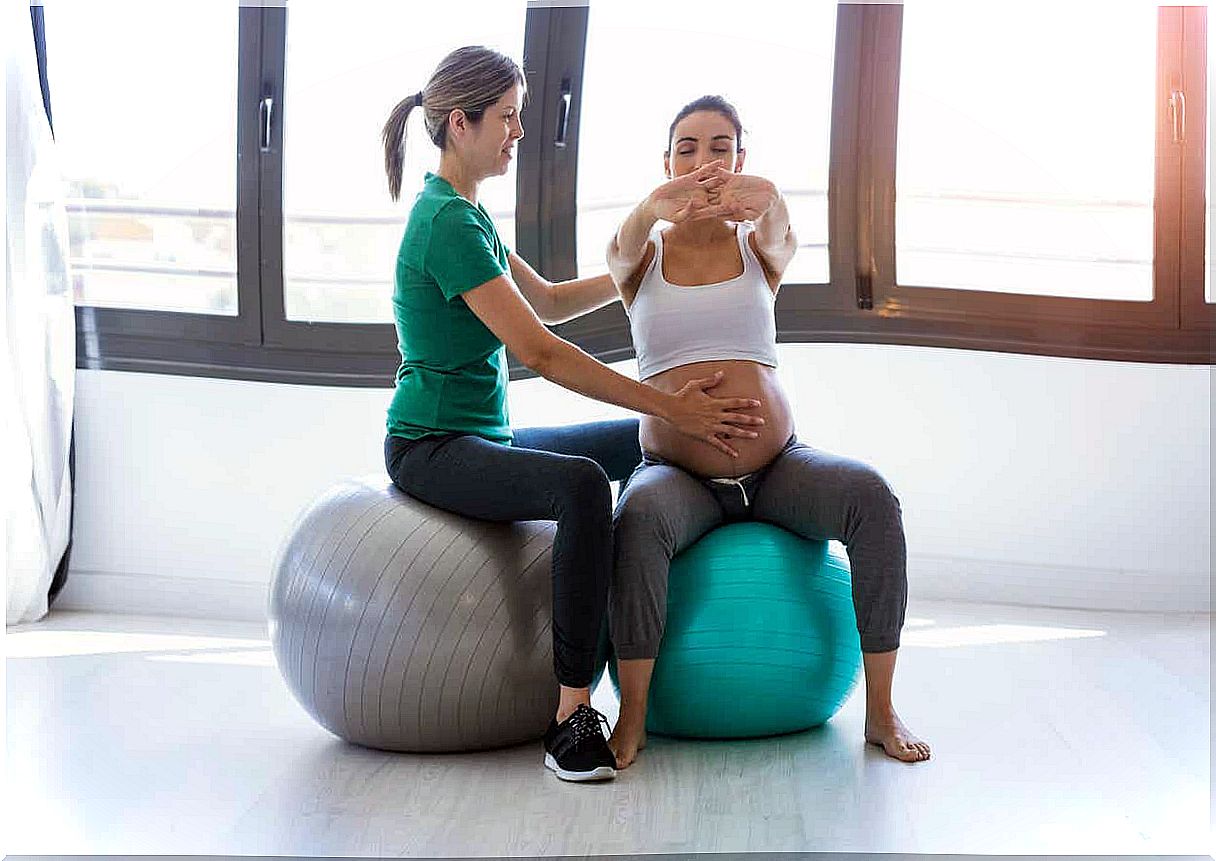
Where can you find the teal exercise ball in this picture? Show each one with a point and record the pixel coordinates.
(761, 636)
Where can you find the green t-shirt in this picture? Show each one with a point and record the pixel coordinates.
(453, 372)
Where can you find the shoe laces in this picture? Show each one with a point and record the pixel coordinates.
(585, 723)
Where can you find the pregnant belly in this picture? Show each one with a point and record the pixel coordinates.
(741, 379)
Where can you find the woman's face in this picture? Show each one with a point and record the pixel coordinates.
(491, 144)
(699, 138)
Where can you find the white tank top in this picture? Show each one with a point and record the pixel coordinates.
(673, 325)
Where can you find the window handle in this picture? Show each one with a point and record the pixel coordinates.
(1178, 115)
(265, 116)
(563, 114)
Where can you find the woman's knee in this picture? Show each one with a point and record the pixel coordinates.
(643, 544)
(872, 491)
(584, 485)
(642, 512)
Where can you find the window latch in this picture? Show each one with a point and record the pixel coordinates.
(865, 291)
(265, 116)
(563, 114)
(1178, 115)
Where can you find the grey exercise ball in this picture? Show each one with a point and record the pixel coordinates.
(400, 626)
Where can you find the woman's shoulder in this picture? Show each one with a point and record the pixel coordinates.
(457, 215)
(446, 210)
(446, 220)
(629, 284)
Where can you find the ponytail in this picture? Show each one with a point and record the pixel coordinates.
(393, 136)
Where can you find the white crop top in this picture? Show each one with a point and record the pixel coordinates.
(673, 325)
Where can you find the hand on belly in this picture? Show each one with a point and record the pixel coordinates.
(741, 379)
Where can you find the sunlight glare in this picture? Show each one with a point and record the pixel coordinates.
(59, 644)
(984, 635)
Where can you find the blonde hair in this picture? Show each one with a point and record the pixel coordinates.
(469, 79)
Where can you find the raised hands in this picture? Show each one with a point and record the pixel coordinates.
(745, 198)
(712, 191)
(691, 196)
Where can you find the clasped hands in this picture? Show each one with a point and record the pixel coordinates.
(712, 191)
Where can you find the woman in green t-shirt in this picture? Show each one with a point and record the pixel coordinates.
(460, 295)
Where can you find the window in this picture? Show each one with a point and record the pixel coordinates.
(344, 74)
(149, 159)
(779, 78)
(1026, 162)
(1029, 179)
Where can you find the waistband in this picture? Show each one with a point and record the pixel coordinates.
(742, 482)
(655, 460)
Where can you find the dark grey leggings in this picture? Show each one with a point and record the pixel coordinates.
(560, 474)
(809, 492)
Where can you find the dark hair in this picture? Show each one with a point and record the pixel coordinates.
(709, 103)
(470, 79)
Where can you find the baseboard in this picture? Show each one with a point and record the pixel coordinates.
(151, 595)
(985, 581)
(941, 578)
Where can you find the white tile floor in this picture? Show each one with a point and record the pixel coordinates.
(1054, 732)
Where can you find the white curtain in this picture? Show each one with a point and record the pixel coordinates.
(38, 359)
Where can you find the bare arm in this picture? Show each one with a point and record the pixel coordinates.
(627, 250)
(504, 310)
(535, 289)
(682, 199)
(565, 300)
(753, 198)
(775, 239)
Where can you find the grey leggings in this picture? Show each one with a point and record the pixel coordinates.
(663, 509)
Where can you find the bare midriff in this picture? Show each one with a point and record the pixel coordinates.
(741, 379)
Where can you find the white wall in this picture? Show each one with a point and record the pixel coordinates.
(1022, 479)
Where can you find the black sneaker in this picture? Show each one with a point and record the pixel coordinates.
(576, 748)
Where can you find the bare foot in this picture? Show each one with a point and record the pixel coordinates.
(628, 737)
(888, 732)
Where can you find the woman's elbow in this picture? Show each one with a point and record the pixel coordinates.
(619, 263)
(536, 353)
(779, 246)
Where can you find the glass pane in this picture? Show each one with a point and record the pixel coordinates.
(146, 133)
(1025, 148)
(778, 77)
(346, 70)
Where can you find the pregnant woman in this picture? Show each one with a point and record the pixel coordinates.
(700, 296)
(459, 296)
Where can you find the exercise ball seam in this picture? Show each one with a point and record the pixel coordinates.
(359, 627)
(307, 667)
(382, 628)
(401, 624)
(286, 598)
(422, 626)
(443, 682)
(375, 514)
